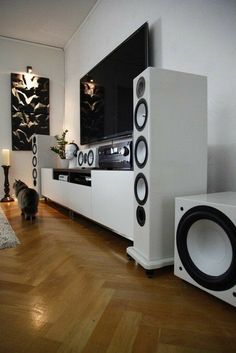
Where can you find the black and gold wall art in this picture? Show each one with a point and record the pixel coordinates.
(29, 109)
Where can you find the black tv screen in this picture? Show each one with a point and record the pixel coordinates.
(106, 91)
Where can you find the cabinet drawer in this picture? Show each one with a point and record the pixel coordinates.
(112, 200)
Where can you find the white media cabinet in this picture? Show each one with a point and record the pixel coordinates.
(104, 196)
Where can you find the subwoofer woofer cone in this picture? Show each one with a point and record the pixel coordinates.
(141, 114)
(140, 216)
(206, 243)
(140, 87)
(141, 152)
(141, 188)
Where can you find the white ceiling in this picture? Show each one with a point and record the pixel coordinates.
(49, 22)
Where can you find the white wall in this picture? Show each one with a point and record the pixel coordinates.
(46, 62)
(196, 36)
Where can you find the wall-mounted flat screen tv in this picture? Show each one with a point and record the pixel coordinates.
(106, 91)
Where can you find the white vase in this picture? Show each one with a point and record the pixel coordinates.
(62, 163)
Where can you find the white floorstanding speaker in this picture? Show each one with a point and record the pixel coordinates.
(205, 243)
(42, 157)
(170, 157)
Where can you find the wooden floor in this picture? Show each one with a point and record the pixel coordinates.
(69, 287)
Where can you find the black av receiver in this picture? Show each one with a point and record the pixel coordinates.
(116, 156)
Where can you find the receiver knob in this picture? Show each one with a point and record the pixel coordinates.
(124, 151)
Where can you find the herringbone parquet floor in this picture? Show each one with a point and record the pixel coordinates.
(69, 288)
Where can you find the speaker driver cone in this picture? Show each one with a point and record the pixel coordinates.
(80, 158)
(34, 173)
(140, 87)
(34, 161)
(141, 216)
(141, 114)
(34, 148)
(206, 243)
(90, 158)
(141, 152)
(141, 189)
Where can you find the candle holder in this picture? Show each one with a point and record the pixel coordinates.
(7, 197)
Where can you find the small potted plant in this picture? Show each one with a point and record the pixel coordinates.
(59, 149)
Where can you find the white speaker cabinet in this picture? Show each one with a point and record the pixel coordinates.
(42, 157)
(87, 158)
(205, 243)
(170, 157)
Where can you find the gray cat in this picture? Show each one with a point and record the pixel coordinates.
(27, 199)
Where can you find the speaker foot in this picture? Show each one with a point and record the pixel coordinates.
(71, 214)
(129, 257)
(146, 263)
(150, 273)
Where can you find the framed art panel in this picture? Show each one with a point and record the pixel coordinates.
(29, 109)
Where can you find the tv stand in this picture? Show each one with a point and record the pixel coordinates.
(82, 177)
(104, 196)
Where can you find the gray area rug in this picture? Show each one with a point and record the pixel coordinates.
(8, 238)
